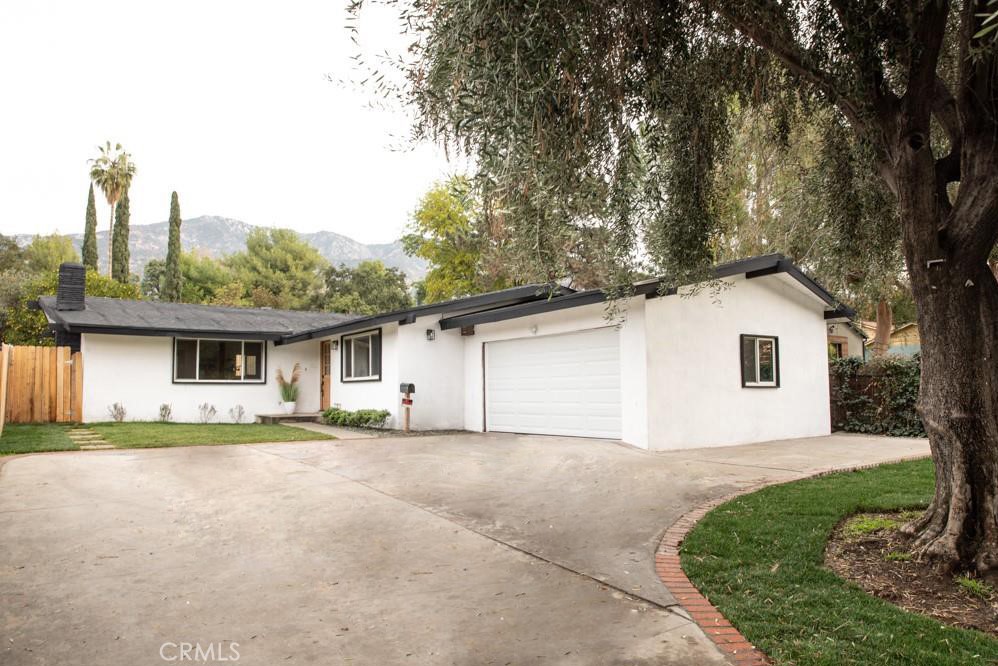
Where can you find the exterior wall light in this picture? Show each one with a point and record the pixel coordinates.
(431, 334)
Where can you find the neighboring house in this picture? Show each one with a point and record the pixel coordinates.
(846, 339)
(707, 367)
(904, 340)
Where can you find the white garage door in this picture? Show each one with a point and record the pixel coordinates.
(555, 384)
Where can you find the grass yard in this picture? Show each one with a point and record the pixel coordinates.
(759, 559)
(140, 435)
(32, 438)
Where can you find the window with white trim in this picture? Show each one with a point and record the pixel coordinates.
(760, 361)
(218, 361)
(361, 356)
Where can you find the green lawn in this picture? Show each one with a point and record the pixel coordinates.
(758, 558)
(32, 438)
(133, 435)
(137, 435)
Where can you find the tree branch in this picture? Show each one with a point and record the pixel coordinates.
(918, 102)
(868, 63)
(760, 30)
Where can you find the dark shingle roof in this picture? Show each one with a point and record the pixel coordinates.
(115, 315)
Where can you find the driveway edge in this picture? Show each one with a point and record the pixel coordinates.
(725, 636)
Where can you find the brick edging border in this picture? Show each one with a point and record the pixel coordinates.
(710, 620)
(725, 636)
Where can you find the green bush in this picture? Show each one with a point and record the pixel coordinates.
(362, 418)
(878, 397)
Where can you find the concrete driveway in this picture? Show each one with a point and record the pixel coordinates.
(464, 549)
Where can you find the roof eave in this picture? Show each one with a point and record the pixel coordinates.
(170, 332)
(754, 267)
(514, 297)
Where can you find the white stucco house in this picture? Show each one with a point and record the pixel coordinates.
(671, 370)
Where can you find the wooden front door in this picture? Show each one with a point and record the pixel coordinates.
(325, 359)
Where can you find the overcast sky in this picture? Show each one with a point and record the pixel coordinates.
(226, 102)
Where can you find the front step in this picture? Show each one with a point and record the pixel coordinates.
(308, 417)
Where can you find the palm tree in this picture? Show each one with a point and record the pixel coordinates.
(112, 172)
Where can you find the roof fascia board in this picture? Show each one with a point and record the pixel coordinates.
(755, 267)
(525, 309)
(168, 333)
(403, 317)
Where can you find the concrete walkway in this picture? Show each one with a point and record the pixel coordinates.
(472, 549)
(337, 432)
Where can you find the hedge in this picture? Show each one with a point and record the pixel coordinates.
(876, 397)
(362, 418)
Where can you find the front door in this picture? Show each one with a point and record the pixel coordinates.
(325, 358)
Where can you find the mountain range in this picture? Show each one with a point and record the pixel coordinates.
(220, 236)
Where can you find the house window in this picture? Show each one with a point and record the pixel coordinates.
(218, 361)
(361, 356)
(760, 361)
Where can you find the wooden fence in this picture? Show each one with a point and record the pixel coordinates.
(41, 384)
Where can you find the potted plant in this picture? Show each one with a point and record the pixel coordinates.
(289, 388)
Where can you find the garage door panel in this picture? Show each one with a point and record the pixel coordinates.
(560, 385)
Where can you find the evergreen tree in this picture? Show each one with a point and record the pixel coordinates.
(90, 233)
(119, 241)
(171, 275)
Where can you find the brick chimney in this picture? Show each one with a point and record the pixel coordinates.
(72, 287)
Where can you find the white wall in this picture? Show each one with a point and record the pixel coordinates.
(137, 371)
(436, 367)
(695, 396)
(632, 354)
(382, 394)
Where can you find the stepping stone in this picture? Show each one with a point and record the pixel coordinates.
(88, 440)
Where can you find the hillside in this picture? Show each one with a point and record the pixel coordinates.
(218, 236)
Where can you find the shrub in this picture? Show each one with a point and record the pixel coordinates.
(165, 413)
(877, 397)
(237, 414)
(117, 412)
(207, 412)
(362, 418)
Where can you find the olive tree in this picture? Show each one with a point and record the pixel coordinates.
(615, 115)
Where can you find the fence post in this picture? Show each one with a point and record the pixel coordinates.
(76, 411)
(4, 365)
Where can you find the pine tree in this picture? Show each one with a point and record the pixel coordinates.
(171, 276)
(119, 241)
(90, 233)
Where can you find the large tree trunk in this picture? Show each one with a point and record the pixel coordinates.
(957, 401)
(957, 299)
(885, 326)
